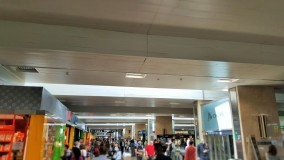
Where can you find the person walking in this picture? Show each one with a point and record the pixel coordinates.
(76, 154)
(200, 150)
(83, 151)
(67, 153)
(103, 154)
(272, 153)
(122, 145)
(160, 152)
(190, 152)
(139, 150)
(150, 151)
(172, 150)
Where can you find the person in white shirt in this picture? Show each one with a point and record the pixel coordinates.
(187, 142)
(83, 151)
(117, 155)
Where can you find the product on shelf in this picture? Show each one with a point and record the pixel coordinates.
(2, 137)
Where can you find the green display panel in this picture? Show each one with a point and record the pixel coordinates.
(58, 145)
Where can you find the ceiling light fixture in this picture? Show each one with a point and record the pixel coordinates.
(174, 103)
(135, 75)
(227, 80)
(120, 102)
(118, 117)
(110, 124)
(183, 118)
(148, 115)
(184, 125)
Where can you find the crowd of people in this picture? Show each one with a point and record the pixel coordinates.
(112, 149)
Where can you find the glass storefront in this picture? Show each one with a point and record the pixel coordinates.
(217, 126)
(221, 146)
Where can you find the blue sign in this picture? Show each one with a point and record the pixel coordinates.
(74, 119)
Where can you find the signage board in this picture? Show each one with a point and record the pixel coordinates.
(217, 116)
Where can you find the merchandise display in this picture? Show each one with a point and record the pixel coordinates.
(54, 141)
(7, 127)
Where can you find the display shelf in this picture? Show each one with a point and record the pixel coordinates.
(6, 138)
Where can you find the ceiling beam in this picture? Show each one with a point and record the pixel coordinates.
(134, 109)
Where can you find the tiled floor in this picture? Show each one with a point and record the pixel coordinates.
(127, 156)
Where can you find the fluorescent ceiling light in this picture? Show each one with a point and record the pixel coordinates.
(108, 117)
(225, 90)
(227, 80)
(135, 75)
(174, 103)
(119, 102)
(110, 124)
(148, 115)
(184, 125)
(183, 118)
(121, 91)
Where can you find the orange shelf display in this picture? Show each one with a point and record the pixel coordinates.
(6, 139)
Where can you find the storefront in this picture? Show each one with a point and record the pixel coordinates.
(32, 124)
(217, 129)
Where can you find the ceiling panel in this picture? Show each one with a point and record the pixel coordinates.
(71, 60)
(257, 21)
(102, 69)
(113, 101)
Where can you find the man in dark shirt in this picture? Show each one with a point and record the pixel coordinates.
(160, 150)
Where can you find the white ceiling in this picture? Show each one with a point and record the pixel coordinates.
(104, 69)
(254, 21)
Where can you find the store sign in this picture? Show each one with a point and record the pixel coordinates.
(69, 116)
(217, 116)
(74, 120)
(181, 132)
(142, 132)
(18, 146)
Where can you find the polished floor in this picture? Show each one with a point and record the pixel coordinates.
(127, 156)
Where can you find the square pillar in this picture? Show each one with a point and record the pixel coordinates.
(251, 102)
(163, 122)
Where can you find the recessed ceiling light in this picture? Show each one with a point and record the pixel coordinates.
(225, 89)
(227, 80)
(135, 75)
(174, 103)
(182, 129)
(120, 102)
(148, 115)
(115, 117)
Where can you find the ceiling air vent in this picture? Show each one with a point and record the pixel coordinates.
(27, 69)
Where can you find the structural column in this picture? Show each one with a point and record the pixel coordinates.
(199, 128)
(36, 138)
(163, 123)
(250, 102)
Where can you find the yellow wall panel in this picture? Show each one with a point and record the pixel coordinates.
(71, 137)
(36, 135)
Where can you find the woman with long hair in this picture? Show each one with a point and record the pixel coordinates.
(76, 154)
